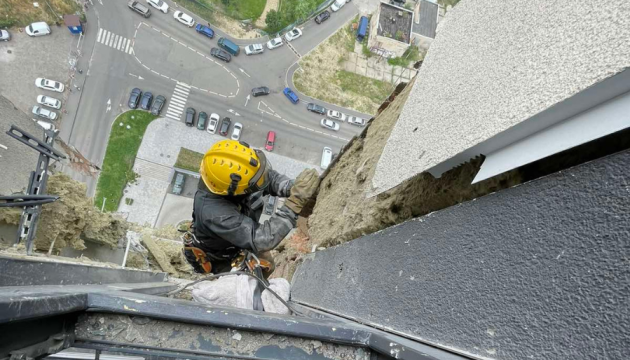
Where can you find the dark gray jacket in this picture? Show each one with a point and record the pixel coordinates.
(225, 224)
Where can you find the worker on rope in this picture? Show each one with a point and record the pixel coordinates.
(229, 201)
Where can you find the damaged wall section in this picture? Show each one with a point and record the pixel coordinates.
(536, 271)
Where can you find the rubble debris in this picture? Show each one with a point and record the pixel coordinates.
(158, 254)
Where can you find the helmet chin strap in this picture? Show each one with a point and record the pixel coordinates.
(236, 178)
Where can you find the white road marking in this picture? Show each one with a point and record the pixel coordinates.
(183, 94)
(155, 72)
(183, 84)
(127, 49)
(107, 37)
(112, 40)
(131, 50)
(119, 43)
(243, 71)
(100, 33)
(172, 117)
(146, 67)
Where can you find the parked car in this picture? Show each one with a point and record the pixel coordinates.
(49, 101)
(291, 95)
(134, 98)
(293, 34)
(334, 114)
(51, 85)
(236, 131)
(274, 43)
(338, 4)
(159, 4)
(178, 186)
(329, 124)
(147, 99)
(201, 121)
(355, 120)
(190, 117)
(213, 123)
(139, 8)
(260, 91)
(43, 112)
(316, 108)
(225, 126)
(184, 18)
(323, 16)
(229, 46)
(271, 141)
(204, 30)
(38, 29)
(158, 104)
(5, 35)
(327, 156)
(254, 49)
(220, 54)
(270, 205)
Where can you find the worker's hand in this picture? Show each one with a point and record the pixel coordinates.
(303, 189)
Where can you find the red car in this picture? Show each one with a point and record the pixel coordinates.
(271, 140)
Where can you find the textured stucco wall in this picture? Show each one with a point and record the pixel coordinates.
(493, 65)
(537, 271)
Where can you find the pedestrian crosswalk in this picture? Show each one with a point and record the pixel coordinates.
(117, 42)
(178, 100)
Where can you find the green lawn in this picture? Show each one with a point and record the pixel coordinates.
(188, 160)
(119, 158)
(289, 12)
(375, 90)
(237, 9)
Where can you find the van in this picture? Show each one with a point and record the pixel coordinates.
(38, 29)
(139, 8)
(229, 46)
(362, 30)
(326, 158)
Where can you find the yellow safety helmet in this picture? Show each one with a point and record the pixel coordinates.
(233, 168)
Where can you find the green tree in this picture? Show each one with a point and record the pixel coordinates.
(273, 21)
(302, 9)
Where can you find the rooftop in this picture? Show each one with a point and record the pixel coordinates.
(427, 19)
(395, 23)
(489, 70)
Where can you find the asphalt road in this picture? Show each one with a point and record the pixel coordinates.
(157, 53)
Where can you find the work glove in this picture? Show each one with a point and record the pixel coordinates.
(303, 189)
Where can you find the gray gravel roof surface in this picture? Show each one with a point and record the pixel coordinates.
(493, 65)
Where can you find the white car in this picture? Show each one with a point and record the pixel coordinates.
(45, 113)
(184, 18)
(274, 43)
(49, 101)
(293, 34)
(51, 85)
(159, 4)
(212, 124)
(236, 132)
(354, 120)
(254, 49)
(334, 114)
(329, 124)
(326, 158)
(338, 5)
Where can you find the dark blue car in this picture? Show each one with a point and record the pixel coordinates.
(291, 95)
(204, 30)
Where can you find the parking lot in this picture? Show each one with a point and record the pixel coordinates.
(23, 59)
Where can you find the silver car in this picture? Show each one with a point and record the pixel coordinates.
(45, 113)
(274, 43)
(254, 49)
(49, 101)
(329, 124)
(355, 120)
